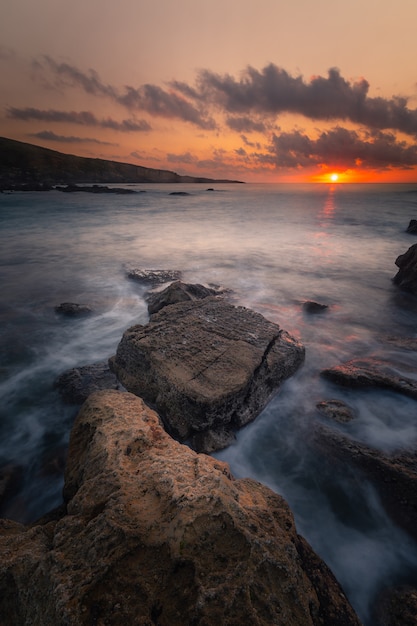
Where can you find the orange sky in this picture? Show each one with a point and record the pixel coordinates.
(257, 91)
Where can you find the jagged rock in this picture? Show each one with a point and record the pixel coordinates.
(412, 227)
(75, 385)
(73, 309)
(397, 607)
(371, 373)
(206, 365)
(406, 277)
(178, 292)
(154, 533)
(394, 476)
(335, 410)
(153, 277)
(314, 307)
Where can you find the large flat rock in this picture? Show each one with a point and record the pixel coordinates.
(154, 533)
(207, 366)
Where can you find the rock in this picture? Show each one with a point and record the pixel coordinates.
(412, 227)
(179, 193)
(406, 278)
(75, 385)
(154, 533)
(314, 307)
(403, 343)
(371, 373)
(397, 607)
(154, 277)
(178, 292)
(394, 476)
(95, 189)
(335, 410)
(206, 365)
(11, 479)
(73, 309)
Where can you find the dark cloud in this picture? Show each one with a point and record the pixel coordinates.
(69, 75)
(157, 101)
(343, 148)
(48, 135)
(272, 91)
(85, 118)
(245, 125)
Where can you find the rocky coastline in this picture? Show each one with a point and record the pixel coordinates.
(152, 530)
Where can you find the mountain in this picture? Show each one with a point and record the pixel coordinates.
(27, 164)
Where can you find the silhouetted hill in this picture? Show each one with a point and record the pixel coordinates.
(27, 164)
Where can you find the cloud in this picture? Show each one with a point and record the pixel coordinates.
(185, 157)
(342, 148)
(48, 135)
(6, 53)
(85, 118)
(245, 125)
(273, 91)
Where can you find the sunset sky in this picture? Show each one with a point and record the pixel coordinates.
(255, 90)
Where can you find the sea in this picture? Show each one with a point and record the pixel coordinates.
(275, 246)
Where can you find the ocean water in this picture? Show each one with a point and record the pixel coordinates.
(276, 246)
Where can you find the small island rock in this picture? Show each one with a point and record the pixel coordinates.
(406, 277)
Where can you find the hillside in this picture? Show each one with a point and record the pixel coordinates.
(27, 164)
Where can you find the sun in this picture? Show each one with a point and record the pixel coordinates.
(334, 177)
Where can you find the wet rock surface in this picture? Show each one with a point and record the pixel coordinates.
(154, 533)
(394, 476)
(179, 292)
(73, 309)
(336, 410)
(313, 308)
(412, 227)
(76, 384)
(406, 277)
(371, 373)
(207, 366)
(153, 277)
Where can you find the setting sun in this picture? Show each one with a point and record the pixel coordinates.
(334, 177)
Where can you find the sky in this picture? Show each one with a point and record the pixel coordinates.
(253, 90)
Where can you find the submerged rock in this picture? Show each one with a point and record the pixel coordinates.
(154, 533)
(178, 292)
(73, 309)
(371, 373)
(406, 277)
(206, 365)
(412, 227)
(394, 476)
(336, 410)
(314, 307)
(76, 384)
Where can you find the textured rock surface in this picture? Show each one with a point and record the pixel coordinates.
(394, 476)
(206, 365)
(155, 533)
(406, 277)
(398, 607)
(371, 373)
(412, 227)
(76, 384)
(314, 307)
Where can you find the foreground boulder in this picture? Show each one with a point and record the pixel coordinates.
(154, 533)
(406, 277)
(207, 366)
